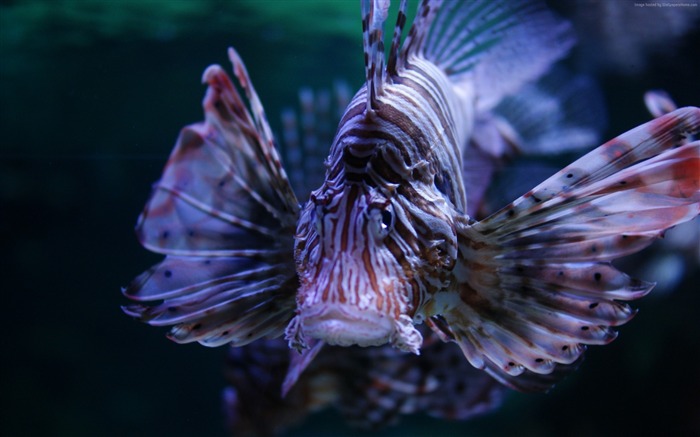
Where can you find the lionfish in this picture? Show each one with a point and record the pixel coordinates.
(386, 257)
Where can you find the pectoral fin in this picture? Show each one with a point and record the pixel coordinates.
(535, 280)
(224, 213)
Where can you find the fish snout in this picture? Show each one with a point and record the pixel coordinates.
(346, 325)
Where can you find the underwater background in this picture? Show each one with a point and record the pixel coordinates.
(92, 96)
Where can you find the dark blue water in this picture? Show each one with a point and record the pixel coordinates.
(92, 96)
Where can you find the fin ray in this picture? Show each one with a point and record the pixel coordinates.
(224, 213)
(535, 280)
(496, 47)
(374, 14)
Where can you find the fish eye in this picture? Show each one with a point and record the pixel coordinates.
(381, 221)
(387, 220)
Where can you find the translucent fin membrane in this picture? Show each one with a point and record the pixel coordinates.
(537, 281)
(224, 213)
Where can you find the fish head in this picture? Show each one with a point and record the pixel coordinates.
(365, 269)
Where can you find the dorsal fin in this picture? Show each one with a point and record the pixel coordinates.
(391, 66)
(419, 30)
(374, 14)
(496, 47)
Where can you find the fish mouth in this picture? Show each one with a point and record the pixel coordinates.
(345, 325)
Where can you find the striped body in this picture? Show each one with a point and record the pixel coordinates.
(377, 238)
(388, 241)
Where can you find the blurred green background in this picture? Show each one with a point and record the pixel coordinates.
(92, 96)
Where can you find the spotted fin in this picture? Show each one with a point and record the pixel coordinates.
(372, 387)
(439, 382)
(252, 401)
(536, 283)
(224, 213)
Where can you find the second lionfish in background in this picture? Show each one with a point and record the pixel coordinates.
(386, 251)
